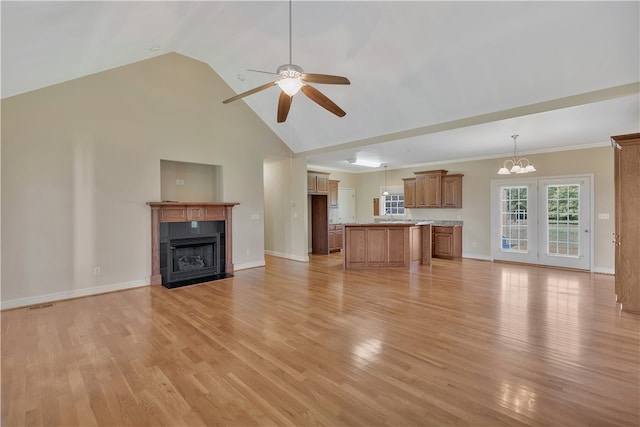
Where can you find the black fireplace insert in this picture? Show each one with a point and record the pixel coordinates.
(191, 252)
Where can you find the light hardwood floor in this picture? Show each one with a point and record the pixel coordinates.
(459, 342)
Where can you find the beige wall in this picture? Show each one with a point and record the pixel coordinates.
(80, 160)
(476, 189)
(190, 182)
(285, 208)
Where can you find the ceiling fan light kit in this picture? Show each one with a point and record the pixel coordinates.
(290, 83)
(516, 165)
(291, 80)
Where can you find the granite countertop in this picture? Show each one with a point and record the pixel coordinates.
(447, 223)
(408, 223)
(436, 222)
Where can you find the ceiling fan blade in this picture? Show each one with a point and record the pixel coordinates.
(284, 103)
(325, 79)
(316, 96)
(249, 92)
(260, 71)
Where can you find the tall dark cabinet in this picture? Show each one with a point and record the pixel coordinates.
(627, 223)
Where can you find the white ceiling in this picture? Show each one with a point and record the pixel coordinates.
(430, 81)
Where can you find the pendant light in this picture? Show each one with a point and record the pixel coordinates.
(516, 165)
(385, 192)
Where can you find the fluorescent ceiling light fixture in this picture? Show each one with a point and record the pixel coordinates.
(367, 163)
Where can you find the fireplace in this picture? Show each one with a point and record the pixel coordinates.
(190, 242)
(191, 252)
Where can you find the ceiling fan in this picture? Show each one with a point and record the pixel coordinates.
(292, 79)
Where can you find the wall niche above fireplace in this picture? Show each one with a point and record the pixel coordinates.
(191, 242)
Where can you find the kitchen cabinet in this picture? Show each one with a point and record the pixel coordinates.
(433, 189)
(409, 192)
(452, 191)
(335, 237)
(429, 189)
(333, 193)
(384, 245)
(317, 182)
(627, 228)
(447, 242)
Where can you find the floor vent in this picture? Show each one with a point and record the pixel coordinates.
(37, 307)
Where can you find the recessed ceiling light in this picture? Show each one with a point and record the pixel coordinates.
(240, 77)
(154, 48)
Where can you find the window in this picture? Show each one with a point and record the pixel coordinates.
(394, 204)
(514, 217)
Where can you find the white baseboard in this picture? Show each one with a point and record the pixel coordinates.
(76, 293)
(288, 256)
(604, 270)
(247, 265)
(477, 256)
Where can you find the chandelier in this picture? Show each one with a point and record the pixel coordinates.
(516, 165)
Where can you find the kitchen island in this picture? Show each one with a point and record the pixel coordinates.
(386, 244)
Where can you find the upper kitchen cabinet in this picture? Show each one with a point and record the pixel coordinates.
(317, 182)
(409, 192)
(429, 189)
(433, 189)
(333, 193)
(452, 191)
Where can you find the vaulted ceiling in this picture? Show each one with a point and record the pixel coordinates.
(430, 81)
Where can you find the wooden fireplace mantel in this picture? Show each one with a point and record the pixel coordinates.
(188, 211)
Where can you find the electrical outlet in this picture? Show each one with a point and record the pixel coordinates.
(96, 271)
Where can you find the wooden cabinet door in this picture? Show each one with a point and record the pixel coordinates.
(333, 193)
(317, 182)
(447, 242)
(421, 191)
(452, 191)
(443, 243)
(429, 189)
(409, 192)
(335, 237)
(322, 184)
(627, 226)
(433, 191)
(311, 183)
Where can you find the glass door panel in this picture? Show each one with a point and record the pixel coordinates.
(565, 232)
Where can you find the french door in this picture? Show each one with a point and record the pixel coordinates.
(542, 221)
